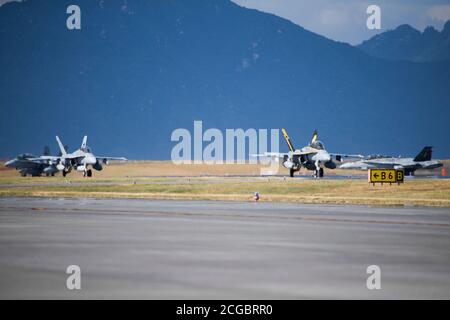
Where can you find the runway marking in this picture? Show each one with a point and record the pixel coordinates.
(227, 215)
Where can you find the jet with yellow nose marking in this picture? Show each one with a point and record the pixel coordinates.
(313, 157)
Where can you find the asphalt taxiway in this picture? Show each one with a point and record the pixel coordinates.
(207, 249)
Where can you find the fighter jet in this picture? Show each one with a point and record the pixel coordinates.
(410, 165)
(313, 157)
(28, 164)
(80, 160)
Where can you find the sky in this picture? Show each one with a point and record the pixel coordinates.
(345, 20)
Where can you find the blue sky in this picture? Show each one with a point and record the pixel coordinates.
(345, 20)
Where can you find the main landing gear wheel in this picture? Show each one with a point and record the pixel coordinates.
(89, 173)
(291, 173)
(321, 173)
(64, 173)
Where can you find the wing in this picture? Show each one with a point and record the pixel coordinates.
(44, 159)
(271, 155)
(112, 158)
(282, 155)
(342, 155)
(382, 164)
(305, 151)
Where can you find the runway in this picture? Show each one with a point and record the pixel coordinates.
(213, 250)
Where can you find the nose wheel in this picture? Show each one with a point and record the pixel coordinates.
(87, 173)
(318, 173)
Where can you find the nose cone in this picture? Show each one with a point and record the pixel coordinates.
(10, 163)
(345, 165)
(326, 157)
(90, 159)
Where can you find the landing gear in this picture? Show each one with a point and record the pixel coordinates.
(318, 173)
(64, 173)
(87, 173)
(291, 172)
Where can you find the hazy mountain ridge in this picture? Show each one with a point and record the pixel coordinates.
(140, 69)
(407, 43)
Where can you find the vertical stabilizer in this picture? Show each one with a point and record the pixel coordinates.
(314, 136)
(288, 140)
(61, 146)
(84, 143)
(424, 155)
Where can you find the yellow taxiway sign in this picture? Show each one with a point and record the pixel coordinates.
(386, 176)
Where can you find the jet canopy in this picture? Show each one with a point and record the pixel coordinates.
(86, 149)
(317, 145)
(25, 156)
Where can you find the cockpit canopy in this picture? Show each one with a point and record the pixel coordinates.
(25, 156)
(317, 145)
(86, 149)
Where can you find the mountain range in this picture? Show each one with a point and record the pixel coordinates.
(407, 43)
(138, 69)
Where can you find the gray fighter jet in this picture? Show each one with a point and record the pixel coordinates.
(80, 160)
(313, 157)
(28, 164)
(410, 165)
